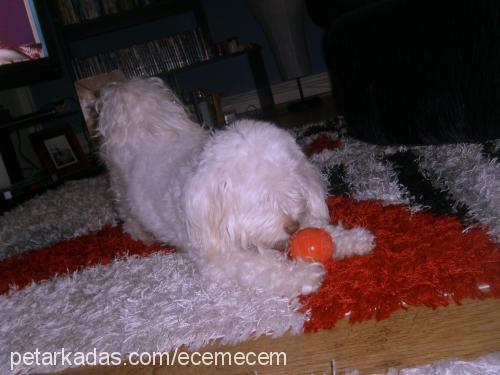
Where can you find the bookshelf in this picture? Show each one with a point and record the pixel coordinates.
(87, 28)
(167, 57)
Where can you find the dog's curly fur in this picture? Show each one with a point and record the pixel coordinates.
(227, 199)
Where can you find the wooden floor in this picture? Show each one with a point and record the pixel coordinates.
(409, 338)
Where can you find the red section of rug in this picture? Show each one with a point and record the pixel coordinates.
(419, 259)
(67, 256)
(320, 143)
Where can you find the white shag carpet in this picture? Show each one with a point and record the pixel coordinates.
(146, 304)
(75, 208)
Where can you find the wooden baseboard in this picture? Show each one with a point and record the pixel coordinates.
(409, 338)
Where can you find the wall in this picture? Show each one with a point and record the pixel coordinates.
(235, 19)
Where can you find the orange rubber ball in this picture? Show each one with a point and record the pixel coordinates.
(311, 244)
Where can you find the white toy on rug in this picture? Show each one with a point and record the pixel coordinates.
(226, 199)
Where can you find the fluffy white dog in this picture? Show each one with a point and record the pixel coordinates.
(227, 199)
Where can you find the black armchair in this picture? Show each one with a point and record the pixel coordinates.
(414, 71)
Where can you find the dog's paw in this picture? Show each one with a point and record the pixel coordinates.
(137, 233)
(348, 242)
(307, 277)
(269, 271)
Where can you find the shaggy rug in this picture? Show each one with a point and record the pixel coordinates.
(70, 278)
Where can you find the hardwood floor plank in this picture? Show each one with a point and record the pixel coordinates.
(409, 338)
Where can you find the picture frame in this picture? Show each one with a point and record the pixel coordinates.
(59, 151)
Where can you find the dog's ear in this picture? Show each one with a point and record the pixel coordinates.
(208, 213)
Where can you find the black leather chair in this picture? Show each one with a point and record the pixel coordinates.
(414, 71)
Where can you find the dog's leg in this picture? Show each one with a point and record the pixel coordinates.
(137, 232)
(355, 241)
(266, 270)
(130, 224)
(348, 242)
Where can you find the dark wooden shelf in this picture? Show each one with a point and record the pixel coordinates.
(34, 117)
(213, 60)
(113, 22)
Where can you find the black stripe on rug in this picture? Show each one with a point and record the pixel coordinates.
(337, 181)
(421, 189)
(327, 127)
(490, 150)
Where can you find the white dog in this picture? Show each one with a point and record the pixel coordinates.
(227, 199)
